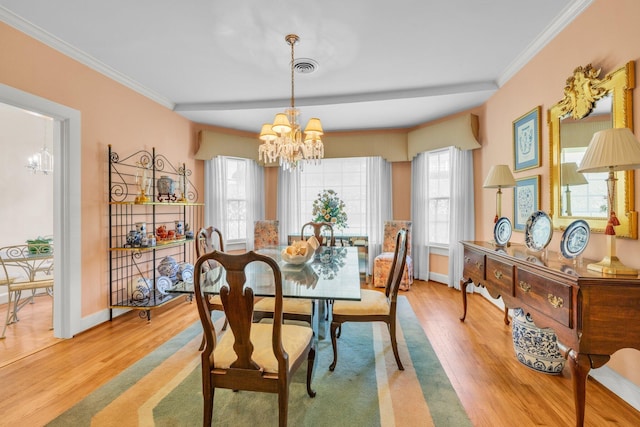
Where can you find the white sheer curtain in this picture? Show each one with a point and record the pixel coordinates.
(420, 216)
(289, 205)
(461, 226)
(379, 205)
(255, 198)
(215, 194)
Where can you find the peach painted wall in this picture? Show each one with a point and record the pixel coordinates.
(111, 114)
(439, 264)
(606, 35)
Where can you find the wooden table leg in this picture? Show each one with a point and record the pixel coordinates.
(580, 366)
(463, 290)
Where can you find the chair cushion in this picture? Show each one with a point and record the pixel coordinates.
(382, 267)
(372, 302)
(289, 305)
(295, 339)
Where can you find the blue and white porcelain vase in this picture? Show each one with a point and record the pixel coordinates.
(536, 348)
(165, 185)
(169, 267)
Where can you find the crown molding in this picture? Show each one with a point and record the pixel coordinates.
(569, 13)
(65, 48)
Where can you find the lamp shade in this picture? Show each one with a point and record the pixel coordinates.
(613, 149)
(314, 127)
(500, 176)
(281, 124)
(267, 133)
(571, 176)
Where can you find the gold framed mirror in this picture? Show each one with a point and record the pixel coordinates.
(590, 104)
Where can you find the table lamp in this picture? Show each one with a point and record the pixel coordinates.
(571, 176)
(499, 177)
(611, 150)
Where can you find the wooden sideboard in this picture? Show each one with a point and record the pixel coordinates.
(593, 315)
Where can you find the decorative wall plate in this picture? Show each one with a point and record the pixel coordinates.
(502, 231)
(575, 238)
(163, 284)
(538, 231)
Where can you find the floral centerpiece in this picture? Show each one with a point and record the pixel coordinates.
(328, 207)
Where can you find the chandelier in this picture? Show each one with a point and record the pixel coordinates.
(42, 161)
(283, 139)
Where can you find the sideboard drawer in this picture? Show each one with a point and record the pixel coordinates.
(547, 296)
(500, 275)
(474, 266)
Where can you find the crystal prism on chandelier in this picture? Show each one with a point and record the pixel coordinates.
(283, 140)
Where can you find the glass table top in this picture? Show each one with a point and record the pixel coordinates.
(333, 273)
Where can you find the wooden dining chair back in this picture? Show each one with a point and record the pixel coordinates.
(382, 262)
(374, 306)
(25, 268)
(252, 356)
(208, 240)
(318, 228)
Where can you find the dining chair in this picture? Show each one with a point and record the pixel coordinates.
(265, 234)
(318, 228)
(204, 245)
(252, 356)
(24, 268)
(382, 262)
(374, 306)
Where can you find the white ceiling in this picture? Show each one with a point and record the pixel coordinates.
(382, 64)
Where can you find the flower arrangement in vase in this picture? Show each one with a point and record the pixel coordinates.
(328, 207)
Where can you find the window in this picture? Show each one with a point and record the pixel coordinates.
(348, 178)
(439, 196)
(235, 186)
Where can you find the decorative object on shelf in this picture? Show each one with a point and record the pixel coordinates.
(536, 348)
(42, 161)
(182, 185)
(134, 239)
(328, 207)
(140, 289)
(502, 231)
(526, 140)
(538, 231)
(163, 284)
(569, 176)
(499, 177)
(179, 228)
(169, 267)
(143, 180)
(166, 189)
(283, 139)
(185, 272)
(611, 150)
(526, 199)
(574, 239)
(141, 227)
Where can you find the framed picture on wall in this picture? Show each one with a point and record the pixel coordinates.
(526, 140)
(526, 200)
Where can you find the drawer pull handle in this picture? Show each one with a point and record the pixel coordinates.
(479, 265)
(524, 286)
(497, 274)
(467, 259)
(556, 302)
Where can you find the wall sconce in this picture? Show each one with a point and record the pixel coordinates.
(499, 177)
(611, 150)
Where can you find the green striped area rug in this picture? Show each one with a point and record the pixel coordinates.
(366, 388)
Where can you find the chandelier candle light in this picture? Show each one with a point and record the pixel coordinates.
(283, 139)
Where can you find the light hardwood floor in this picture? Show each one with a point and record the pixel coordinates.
(494, 388)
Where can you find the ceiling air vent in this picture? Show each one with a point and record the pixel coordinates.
(305, 65)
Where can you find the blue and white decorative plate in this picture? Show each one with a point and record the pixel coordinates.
(163, 284)
(538, 231)
(575, 238)
(502, 231)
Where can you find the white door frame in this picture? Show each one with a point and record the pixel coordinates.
(67, 225)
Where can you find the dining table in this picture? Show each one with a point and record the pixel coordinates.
(333, 273)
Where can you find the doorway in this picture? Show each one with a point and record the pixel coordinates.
(65, 140)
